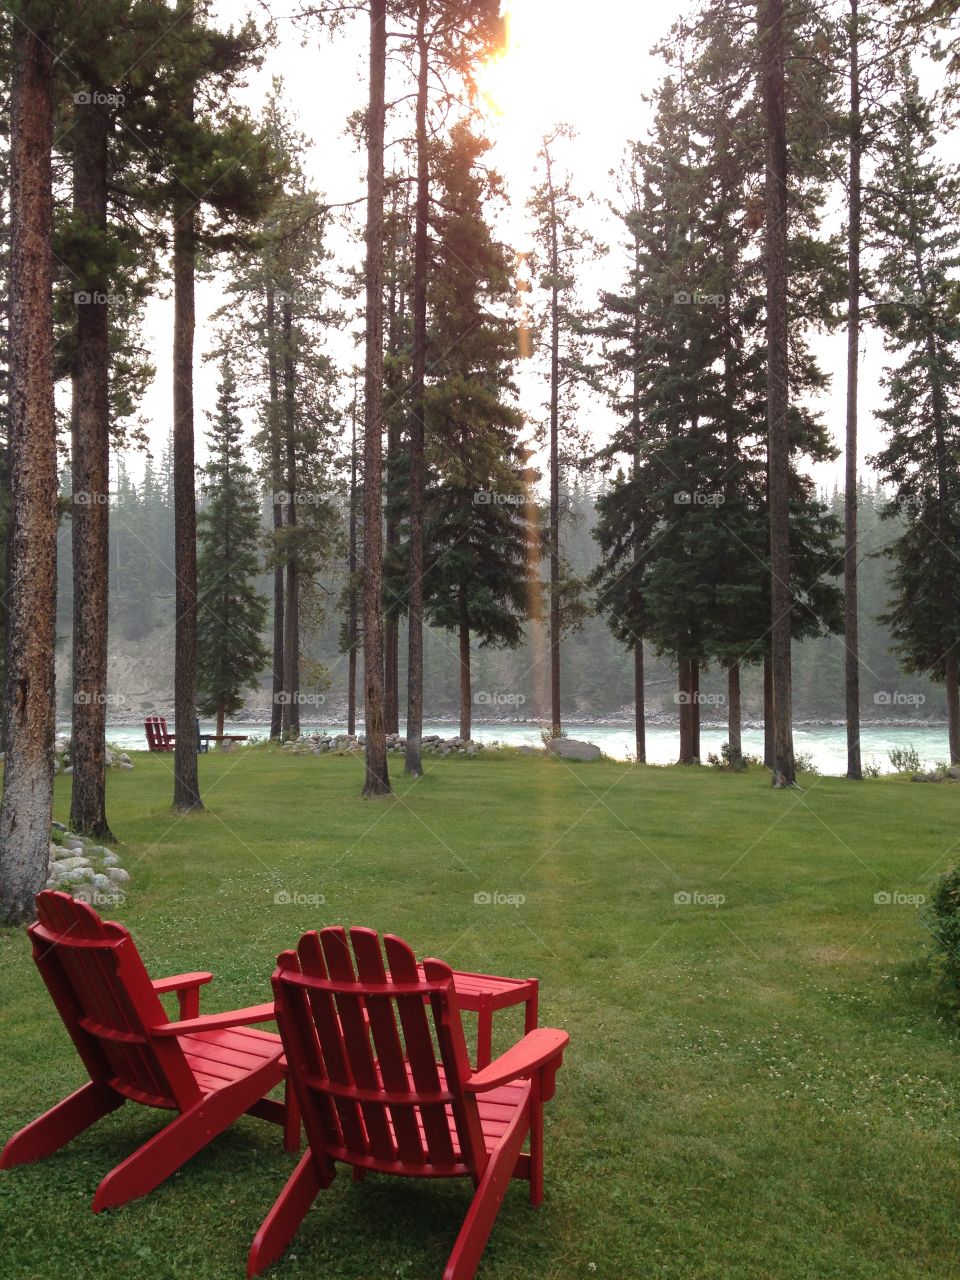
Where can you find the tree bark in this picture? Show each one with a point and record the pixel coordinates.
(377, 780)
(851, 620)
(767, 713)
(221, 717)
(684, 698)
(276, 487)
(639, 703)
(186, 782)
(352, 593)
(778, 438)
(28, 770)
(413, 762)
(290, 720)
(90, 465)
(734, 716)
(465, 689)
(953, 706)
(695, 711)
(554, 533)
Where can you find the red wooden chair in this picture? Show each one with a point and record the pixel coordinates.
(211, 1069)
(377, 1094)
(158, 737)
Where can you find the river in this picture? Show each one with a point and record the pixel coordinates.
(825, 745)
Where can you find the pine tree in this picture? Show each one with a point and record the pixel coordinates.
(477, 519)
(913, 202)
(562, 247)
(232, 615)
(28, 765)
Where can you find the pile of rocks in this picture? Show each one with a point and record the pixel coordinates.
(344, 743)
(943, 775)
(84, 869)
(62, 758)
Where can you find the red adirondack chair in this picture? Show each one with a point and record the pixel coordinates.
(211, 1069)
(376, 1094)
(158, 736)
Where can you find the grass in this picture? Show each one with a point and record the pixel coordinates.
(761, 1088)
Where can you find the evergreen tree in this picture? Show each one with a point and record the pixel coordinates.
(562, 248)
(232, 615)
(477, 526)
(913, 203)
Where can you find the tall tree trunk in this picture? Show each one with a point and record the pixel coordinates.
(734, 717)
(28, 770)
(639, 703)
(767, 713)
(186, 781)
(221, 717)
(851, 620)
(413, 763)
(90, 483)
(695, 710)
(352, 593)
(290, 721)
(276, 487)
(377, 780)
(778, 438)
(953, 706)
(465, 690)
(554, 456)
(684, 698)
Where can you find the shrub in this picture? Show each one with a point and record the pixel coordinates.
(906, 760)
(803, 763)
(942, 917)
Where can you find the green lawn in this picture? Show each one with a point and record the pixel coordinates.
(764, 1088)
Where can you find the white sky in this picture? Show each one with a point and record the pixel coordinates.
(588, 65)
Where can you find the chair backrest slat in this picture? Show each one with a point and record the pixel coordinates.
(99, 984)
(378, 1077)
(351, 1011)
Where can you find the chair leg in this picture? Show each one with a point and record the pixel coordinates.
(536, 1148)
(60, 1125)
(182, 1138)
(486, 1203)
(280, 1225)
(291, 1125)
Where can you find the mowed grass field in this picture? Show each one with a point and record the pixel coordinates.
(762, 1086)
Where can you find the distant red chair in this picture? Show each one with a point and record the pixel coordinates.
(376, 1094)
(211, 1069)
(158, 738)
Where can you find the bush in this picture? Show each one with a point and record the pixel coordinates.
(726, 761)
(803, 763)
(942, 917)
(905, 760)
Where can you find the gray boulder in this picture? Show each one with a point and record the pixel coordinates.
(117, 875)
(573, 749)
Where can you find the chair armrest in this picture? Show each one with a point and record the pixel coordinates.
(187, 986)
(217, 1021)
(181, 980)
(538, 1049)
